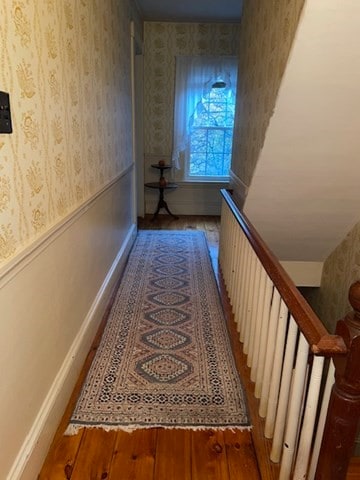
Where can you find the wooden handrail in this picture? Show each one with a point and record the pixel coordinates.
(319, 339)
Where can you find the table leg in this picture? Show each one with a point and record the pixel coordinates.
(162, 204)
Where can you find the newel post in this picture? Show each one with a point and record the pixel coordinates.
(342, 420)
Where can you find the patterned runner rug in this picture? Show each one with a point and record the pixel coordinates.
(165, 358)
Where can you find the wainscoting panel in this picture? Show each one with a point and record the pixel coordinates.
(188, 199)
(52, 302)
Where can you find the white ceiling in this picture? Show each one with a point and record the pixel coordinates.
(191, 10)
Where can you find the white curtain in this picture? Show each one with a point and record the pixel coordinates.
(194, 78)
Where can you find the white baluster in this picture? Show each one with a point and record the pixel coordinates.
(258, 323)
(232, 250)
(247, 283)
(223, 236)
(240, 279)
(307, 428)
(321, 422)
(249, 302)
(264, 337)
(254, 308)
(227, 250)
(284, 392)
(294, 409)
(238, 266)
(270, 353)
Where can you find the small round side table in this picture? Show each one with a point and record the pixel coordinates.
(162, 185)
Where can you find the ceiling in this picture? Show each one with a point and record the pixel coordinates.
(191, 10)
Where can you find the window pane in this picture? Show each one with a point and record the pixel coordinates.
(215, 164)
(228, 141)
(199, 141)
(211, 137)
(215, 141)
(198, 164)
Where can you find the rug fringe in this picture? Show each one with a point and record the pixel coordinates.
(75, 429)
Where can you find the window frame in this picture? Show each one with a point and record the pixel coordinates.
(181, 156)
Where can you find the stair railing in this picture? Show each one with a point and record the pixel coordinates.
(287, 348)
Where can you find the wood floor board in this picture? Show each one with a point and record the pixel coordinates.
(94, 458)
(209, 460)
(60, 462)
(241, 458)
(354, 469)
(173, 455)
(134, 455)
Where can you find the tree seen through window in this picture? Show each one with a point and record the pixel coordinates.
(211, 134)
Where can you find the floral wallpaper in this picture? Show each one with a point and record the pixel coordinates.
(162, 42)
(341, 269)
(266, 35)
(66, 65)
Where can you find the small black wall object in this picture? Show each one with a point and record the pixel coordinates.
(5, 117)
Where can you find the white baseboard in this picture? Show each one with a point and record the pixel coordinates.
(178, 208)
(34, 449)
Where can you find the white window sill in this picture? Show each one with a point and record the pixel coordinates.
(201, 182)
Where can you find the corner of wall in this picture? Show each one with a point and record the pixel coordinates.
(240, 189)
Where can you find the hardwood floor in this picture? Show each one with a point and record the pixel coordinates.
(152, 454)
(354, 469)
(161, 454)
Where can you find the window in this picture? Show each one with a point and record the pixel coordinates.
(211, 135)
(204, 117)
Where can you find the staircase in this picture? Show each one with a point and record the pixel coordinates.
(311, 417)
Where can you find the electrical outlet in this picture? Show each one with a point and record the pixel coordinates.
(5, 116)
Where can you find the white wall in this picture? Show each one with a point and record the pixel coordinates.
(188, 199)
(305, 195)
(52, 299)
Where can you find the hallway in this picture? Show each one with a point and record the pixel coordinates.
(161, 454)
(155, 453)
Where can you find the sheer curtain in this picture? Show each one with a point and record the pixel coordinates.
(194, 78)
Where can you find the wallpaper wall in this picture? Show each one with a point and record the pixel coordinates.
(267, 31)
(162, 42)
(66, 65)
(341, 269)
